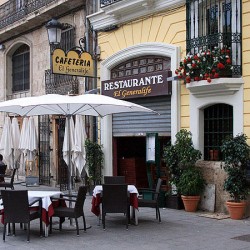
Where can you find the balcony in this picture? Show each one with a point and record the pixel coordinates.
(212, 24)
(18, 17)
(114, 12)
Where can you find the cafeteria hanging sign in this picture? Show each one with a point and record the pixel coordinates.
(136, 86)
(71, 63)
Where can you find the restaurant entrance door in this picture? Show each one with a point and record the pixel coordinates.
(129, 159)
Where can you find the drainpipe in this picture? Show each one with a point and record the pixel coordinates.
(89, 85)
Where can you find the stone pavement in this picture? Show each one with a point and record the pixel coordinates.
(179, 230)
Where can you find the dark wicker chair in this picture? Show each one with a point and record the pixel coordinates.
(11, 183)
(150, 198)
(63, 211)
(2, 172)
(115, 200)
(17, 210)
(114, 180)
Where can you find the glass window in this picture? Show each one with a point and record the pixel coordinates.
(21, 69)
(218, 124)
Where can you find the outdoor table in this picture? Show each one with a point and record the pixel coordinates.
(47, 206)
(96, 200)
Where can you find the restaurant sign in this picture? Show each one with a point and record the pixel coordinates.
(71, 63)
(136, 86)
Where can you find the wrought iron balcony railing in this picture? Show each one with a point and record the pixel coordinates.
(215, 23)
(104, 3)
(14, 10)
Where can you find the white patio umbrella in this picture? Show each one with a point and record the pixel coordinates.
(32, 142)
(79, 153)
(68, 141)
(6, 143)
(22, 142)
(87, 104)
(16, 140)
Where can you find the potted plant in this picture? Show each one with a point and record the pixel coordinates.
(180, 156)
(205, 65)
(191, 184)
(236, 154)
(94, 162)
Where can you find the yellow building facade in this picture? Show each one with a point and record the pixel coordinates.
(129, 30)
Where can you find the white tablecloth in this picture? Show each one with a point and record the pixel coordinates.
(131, 189)
(45, 195)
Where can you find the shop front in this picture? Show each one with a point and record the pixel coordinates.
(142, 80)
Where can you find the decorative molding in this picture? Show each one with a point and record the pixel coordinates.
(127, 10)
(220, 86)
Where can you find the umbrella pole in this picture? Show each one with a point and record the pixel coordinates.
(69, 160)
(70, 166)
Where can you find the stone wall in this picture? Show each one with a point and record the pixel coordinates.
(214, 174)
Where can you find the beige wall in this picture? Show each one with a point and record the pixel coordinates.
(168, 28)
(246, 63)
(165, 27)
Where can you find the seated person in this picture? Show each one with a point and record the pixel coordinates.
(2, 168)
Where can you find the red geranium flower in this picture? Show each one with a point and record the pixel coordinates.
(220, 65)
(205, 65)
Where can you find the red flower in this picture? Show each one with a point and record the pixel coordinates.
(196, 78)
(188, 79)
(185, 61)
(208, 79)
(194, 65)
(220, 66)
(196, 57)
(216, 75)
(228, 61)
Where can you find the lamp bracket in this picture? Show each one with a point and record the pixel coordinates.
(81, 48)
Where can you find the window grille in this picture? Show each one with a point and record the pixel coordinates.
(141, 65)
(21, 69)
(218, 124)
(215, 23)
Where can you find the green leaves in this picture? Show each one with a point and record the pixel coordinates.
(94, 160)
(236, 153)
(181, 155)
(191, 182)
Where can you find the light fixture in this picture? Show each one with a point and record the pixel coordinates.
(54, 29)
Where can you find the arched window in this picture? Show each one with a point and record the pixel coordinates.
(21, 69)
(141, 65)
(218, 124)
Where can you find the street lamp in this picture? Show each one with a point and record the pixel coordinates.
(54, 29)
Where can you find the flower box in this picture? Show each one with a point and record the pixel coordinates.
(206, 65)
(220, 86)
